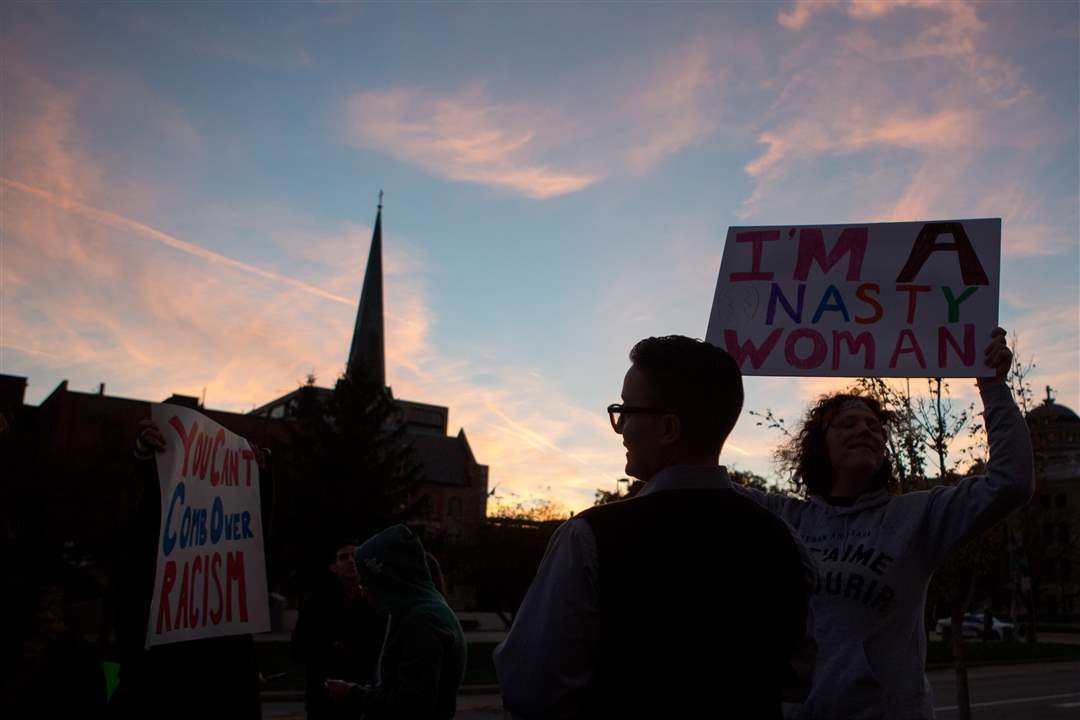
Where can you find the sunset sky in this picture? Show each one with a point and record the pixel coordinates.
(188, 192)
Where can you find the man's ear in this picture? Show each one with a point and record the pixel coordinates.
(670, 429)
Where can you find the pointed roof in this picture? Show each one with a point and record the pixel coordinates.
(367, 353)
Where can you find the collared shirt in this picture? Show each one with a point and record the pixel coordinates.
(548, 659)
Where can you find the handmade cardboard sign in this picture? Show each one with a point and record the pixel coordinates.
(910, 299)
(211, 572)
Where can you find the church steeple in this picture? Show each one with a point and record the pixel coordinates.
(367, 355)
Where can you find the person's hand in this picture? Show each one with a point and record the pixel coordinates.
(338, 690)
(998, 356)
(149, 438)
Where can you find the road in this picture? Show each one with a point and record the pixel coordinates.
(1036, 691)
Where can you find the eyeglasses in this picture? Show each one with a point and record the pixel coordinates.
(617, 414)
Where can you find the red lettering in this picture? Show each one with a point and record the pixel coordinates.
(864, 340)
(185, 437)
(757, 355)
(812, 249)
(817, 354)
(945, 339)
(248, 457)
(205, 589)
(182, 601)
(202, 456)
(971, 270)
(215, 616)
(219, 440)
(913, 346)
(234, 572)
(861, 293)
(168, 579)
(193, 611)
(758, 238)
(912, 300)
(234, 467)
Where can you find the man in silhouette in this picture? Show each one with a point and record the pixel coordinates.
(338, 634)
(687, 600)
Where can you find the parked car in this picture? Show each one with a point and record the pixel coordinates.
(974, 624)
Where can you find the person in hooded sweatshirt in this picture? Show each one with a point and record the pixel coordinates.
(423, 658)
(876, 551)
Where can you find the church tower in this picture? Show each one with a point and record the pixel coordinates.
(367, 354)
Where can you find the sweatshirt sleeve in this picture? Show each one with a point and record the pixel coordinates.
(783, 506)
(419, 666)
(955, 514)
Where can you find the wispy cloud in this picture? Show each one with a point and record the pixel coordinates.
(546, 147)
(124, 223)
(676, 105)
(917, 97)
(90, 292)
(462, 137)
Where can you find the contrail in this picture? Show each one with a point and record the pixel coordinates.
(119, 221)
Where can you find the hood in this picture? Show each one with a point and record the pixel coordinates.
(393, 565)
(866, 501)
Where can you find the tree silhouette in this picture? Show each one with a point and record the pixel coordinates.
(352, 468)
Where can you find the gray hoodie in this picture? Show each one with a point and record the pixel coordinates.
(875, 559)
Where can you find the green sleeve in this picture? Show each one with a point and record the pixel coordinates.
(411, 686)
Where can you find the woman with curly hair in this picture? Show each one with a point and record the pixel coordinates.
(876, 550)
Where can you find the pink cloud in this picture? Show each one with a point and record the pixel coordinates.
(676, 106)
(917, 93)
(98, 295)
(801, 12)
(463, 137)
(128, 224)
(654, 109)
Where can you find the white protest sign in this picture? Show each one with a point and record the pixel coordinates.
(910, 299)
(211, 575)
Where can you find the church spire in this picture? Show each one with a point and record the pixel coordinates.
(367, 355)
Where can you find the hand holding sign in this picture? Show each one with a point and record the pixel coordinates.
(211, 574)
(998, 356)
(149, 437)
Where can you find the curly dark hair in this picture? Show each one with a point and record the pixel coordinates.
(806, 456)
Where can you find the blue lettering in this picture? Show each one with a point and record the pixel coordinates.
(246, 523)
(185, 528)
(777, 294)
(217, 520)
(825, 306)
(168, 540)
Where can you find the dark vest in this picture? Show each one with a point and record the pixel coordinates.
(702, 599)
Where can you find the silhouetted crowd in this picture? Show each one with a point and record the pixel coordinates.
(694, 596)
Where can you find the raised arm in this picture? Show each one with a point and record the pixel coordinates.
(783, 506)
(956, 514)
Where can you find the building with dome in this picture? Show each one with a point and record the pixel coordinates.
(1055, 438)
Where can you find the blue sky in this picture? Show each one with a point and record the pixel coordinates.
(188, 191)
